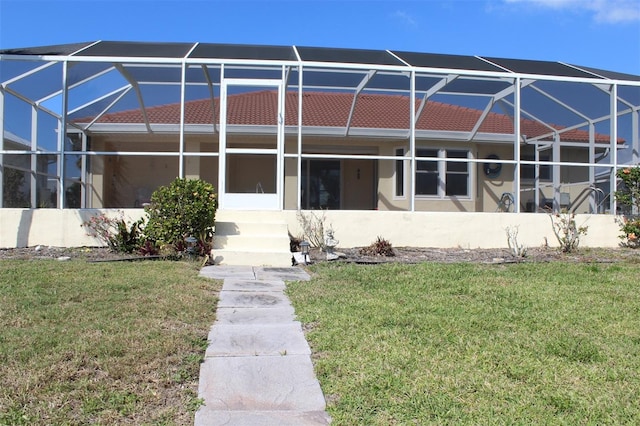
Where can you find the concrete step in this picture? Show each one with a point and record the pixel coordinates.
(277, 242)
(251, 237)
(249, 216)
(251, 228)
(251, 257)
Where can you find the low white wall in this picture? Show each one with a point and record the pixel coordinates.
(455, 229)
(63, 228)
(53, 227)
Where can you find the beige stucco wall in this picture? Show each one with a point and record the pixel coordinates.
(62, 228)
(52, 227)
(454, 229)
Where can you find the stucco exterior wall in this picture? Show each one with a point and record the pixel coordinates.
(62, 228)
(52, 227)
(453, 229)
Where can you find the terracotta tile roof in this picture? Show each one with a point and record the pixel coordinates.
(329, 109)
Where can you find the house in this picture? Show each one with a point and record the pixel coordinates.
(362, 134)
(377, 127)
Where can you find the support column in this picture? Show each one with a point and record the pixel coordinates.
(1, 147)
(181, 160)
(299, 157)
(62, 135)
(613, 139)
(516, 146)
(555, 158)
(33, 176)
(412, 141)
(592, 173)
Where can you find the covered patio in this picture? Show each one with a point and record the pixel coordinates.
(100, 125)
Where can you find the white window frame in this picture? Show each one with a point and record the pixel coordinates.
(442, 173)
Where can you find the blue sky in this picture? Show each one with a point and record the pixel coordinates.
(598, 33)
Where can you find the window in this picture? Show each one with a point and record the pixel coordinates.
(442, 178)
(400, 173)
(457, 175)
(528, 171)
(427, 173)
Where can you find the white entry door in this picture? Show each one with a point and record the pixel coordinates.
(251, 144)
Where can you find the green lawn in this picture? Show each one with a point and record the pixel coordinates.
(548, 343)
(102, 343)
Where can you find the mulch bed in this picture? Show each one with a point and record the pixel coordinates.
(451, 255)
(402, 255)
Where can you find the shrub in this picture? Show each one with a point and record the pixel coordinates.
(294, 243)
(629, 193)
(566, 231)
(630, 228)
(380, 247)
(313, 225)
(115, 232)
(184, 208)
(517, 249)
(629, 196)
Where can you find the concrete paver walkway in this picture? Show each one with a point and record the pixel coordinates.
(257, 368)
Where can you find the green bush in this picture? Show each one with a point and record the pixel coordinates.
(629, 197)
(630, 228)
(184, 208)
(629, 193)
(115, 232)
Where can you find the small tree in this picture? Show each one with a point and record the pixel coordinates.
(566, 231)
(184, 208)
(313, 227)
(629, 196)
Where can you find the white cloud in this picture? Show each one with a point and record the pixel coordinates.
(404, 18)
(604, 11)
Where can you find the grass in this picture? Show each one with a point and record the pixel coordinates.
(552, 343)
(102, 343)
